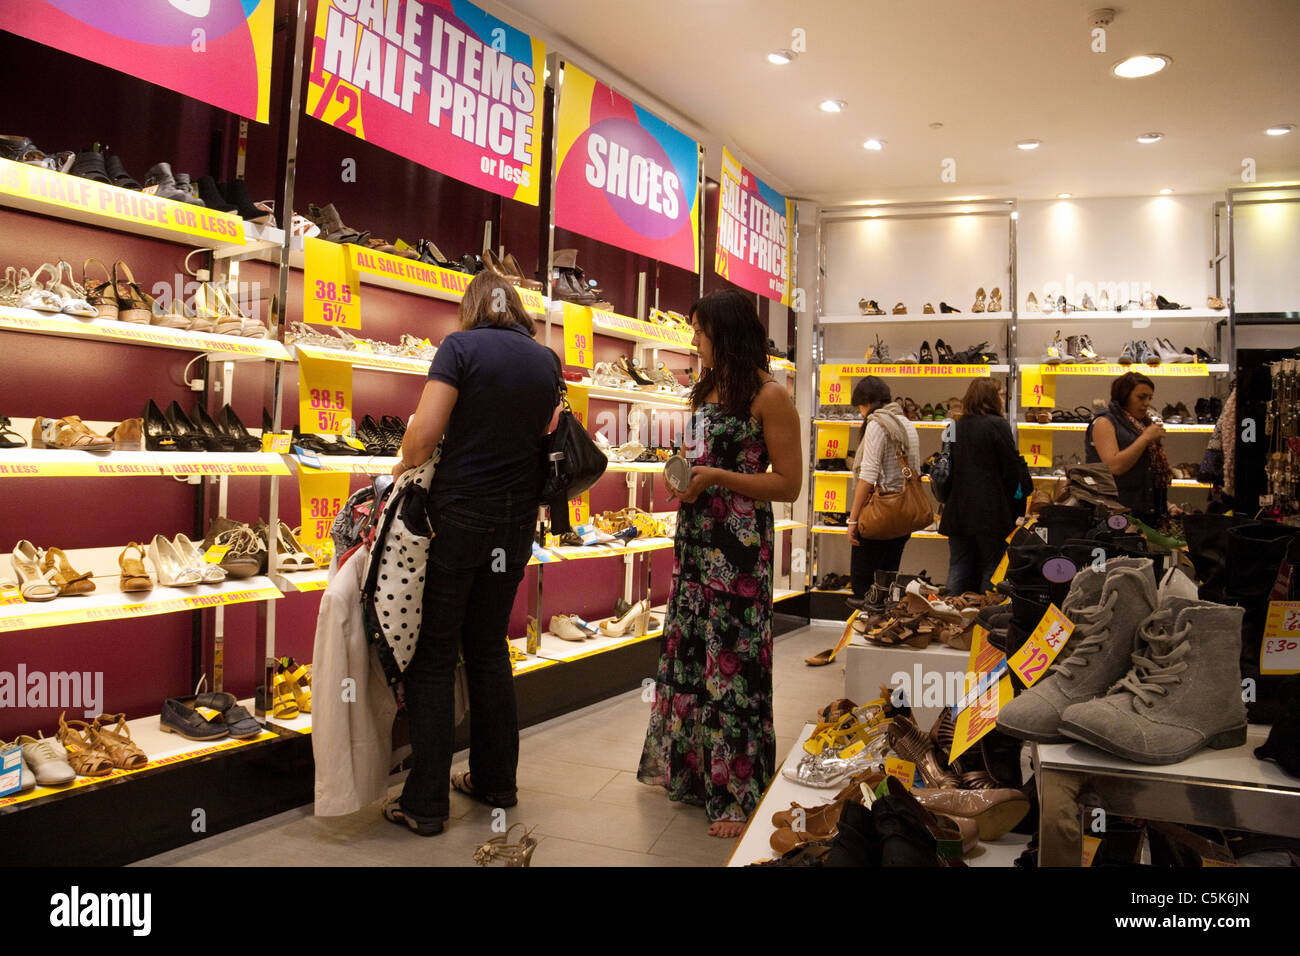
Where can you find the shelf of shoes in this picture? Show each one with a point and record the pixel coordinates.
(638, 545)
(352, 464)
(71, 463)
(651, 399)
(857, 420)
(316, 579)
(1083, 426)
(625, 327)
(231, 348)
(359, 358)
(107, 602)
(162, 749)
(1177, 482)
(1161, 315)
(528, 664)
(861, 369)
(913, 318)
(558, 650)
(64, 196)
(1165, 369)
(841, 529)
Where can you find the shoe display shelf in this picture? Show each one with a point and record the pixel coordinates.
(363, 358)
(631, 396)
(841, 529)
(1114, 369)
(858, 421)
(1144, 316)
(916, 318)
(1083, 427)
(754, 845)
(1229, 789)
(868, 667)
(624, 327)
(846, 370)
(1177, 482)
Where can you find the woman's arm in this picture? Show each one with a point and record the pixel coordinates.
(862, 492)
(781, 433)
(427, 425)
(1119, 462)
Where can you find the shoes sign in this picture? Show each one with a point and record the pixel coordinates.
(755, 224)
(1280, 650)
(445, 85)
(988, 690)
(1036, 446)
(1032, 660)
(624, 176)
(331, 288)
(324, 396)
(831, 493)
(832, 441)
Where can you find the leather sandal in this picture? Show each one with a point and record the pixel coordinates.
(910, 743)
(114, 737)
(69, 432)
(134, 575)
(59, 572)
(85, 753)
(133, 303)
(100, 295)
(462, 784)
(8, 437)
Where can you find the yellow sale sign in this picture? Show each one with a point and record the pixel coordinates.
(831, 493)
(331, 288)
(578, 340)
(1036, 446)
(832, 441)
(321, 497)
(324, 396)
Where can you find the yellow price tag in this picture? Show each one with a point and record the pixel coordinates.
(215, 553)
(983, 697)
(321, 496)
(580, 509)
(831, 493)
(1036, 446)
(208, 713)
(1279, 653)
(903, 770)
(331, 289)
(579, 342)
(324, 396)
(1089, 849)
(1037, 390)
(1032, 660)
(10, 595)
(853, 749)
(833, 389)
(277, 444)
(578, 402)
(832, 441)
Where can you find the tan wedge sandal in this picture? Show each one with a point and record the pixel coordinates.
(114, 737)
(85, 753)
(100, 294)
(134, 575)
(133, 303)
(60, 573)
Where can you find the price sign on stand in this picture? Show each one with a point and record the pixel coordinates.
(580, 509)
(988, 690)
(324, 396)
(578, 401)
(578, 339)
(1032, 660)
(1280, 651)
(832, 441)
(331, 289)
(834, 390)
(321, 497)
(1038, 389)
(1036, 446)
(831, 493)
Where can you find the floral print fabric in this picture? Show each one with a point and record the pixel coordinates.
(711, 739)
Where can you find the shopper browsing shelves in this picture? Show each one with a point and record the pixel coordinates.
(1129, 440)
(711, 739)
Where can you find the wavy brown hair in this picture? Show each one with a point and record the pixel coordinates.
(492, 300)
(731, 322)
(982, 398)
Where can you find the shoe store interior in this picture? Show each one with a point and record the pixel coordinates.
(922, 487)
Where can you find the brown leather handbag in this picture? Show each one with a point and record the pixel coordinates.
(888, 515)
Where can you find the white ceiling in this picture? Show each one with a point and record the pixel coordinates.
(991, 71)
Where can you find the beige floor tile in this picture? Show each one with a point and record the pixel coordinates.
(554, 851)
(561, 778)
(626, 791)
(687, 839)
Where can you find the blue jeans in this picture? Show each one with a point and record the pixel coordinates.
(476, 562)
(972, 559)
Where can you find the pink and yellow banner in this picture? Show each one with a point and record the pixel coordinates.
(217, 51)
(625, 176)
(755, 233)
(439, 82)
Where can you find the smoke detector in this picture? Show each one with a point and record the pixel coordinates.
(1102, 18)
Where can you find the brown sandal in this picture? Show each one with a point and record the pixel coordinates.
(907, 740)
(62, 574)
(135, 577)
(85, 754)
(133, 303)
(100, 294)
(114, 737)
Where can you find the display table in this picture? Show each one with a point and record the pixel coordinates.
(923, 674)
(754, 847)
(1230, 789)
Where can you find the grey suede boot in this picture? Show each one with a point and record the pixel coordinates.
(1106, 608)
(1183, 692)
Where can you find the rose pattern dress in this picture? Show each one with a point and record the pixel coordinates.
(711, 739)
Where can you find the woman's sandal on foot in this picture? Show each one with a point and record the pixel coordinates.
(393, 814)
(460, 782)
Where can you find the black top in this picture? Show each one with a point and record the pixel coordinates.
(1136, 487)
(508, 390)
(985, 476)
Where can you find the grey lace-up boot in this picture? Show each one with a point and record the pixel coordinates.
(1106, 608)
(1182, 693)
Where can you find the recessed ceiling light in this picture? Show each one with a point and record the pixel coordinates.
(1166, 191)
(1029, 144)
(832, 106)
(874, 144)
(780, 57)
(1151, 137)
(1280, 130)
(1063, 195)
(1139, 66)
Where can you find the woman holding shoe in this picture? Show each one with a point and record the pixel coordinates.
(1131, 444)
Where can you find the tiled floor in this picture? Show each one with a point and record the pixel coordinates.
(577, 787)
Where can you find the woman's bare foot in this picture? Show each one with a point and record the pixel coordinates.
(726, 829)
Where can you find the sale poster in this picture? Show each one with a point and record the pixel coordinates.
(217, 51)
(625, 176)
(439, 82)
(755, 233)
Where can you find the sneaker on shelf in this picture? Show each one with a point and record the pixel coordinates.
(1146, 354)
(1056, 352)
(1128, 354)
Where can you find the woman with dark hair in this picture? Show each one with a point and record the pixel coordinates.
(711, 739)
(885, 431)
(493, 393)
(982, 499)
(1129, 441)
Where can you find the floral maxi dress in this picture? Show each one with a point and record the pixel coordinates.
(711, 739)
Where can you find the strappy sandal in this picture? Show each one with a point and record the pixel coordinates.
(133, 303)
(911, 410)
(910, 743)
(134, 576)
(60, 572)
(41, 298)
(250, 328)
(283, 704)
(8, 437)
(114, 736)
(500, 848)
(99, 295)
(460, 782)
(1082, 413)
(85, 754)
(392, 811)
(71, 294)
(1058, 416)
(33, 583)
(67, 432)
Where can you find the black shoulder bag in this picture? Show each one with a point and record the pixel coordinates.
(572, 462)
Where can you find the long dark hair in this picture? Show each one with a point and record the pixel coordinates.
(731, 322)
(492, 300)
(870, 391)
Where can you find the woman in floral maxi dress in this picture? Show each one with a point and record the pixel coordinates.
(711, 740)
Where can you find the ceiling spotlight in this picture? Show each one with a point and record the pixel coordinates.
(1063, 195)
(833, 106)
(1280, 130)
(1029, 144)
(1139, 66)
(1166, 191)
(874, 144)
(1151, 137)
(780, 57)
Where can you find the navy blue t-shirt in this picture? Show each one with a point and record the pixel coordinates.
(507, 385)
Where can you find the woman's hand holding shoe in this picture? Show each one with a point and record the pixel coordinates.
(701, 477)
(1153, 433)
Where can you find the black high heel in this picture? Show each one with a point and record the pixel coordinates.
(158, 435)
(944, 351)
(210, 430)
(925, 355)
(233, 430)
(188, 436)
